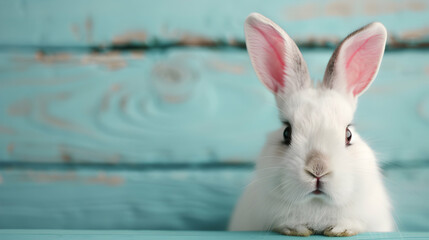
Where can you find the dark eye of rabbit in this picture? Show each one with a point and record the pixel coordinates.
(348, 136)
(287, 134)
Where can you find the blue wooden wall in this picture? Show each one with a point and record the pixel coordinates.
(148, 115)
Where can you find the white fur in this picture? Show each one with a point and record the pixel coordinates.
(279, 197)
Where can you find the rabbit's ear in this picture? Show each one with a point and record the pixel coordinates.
(274, 56)
(356, 61)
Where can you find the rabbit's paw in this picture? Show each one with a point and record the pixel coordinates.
(340, 231)
(299, 230)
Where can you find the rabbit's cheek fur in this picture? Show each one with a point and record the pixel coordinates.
(286, 180)
(340, 187)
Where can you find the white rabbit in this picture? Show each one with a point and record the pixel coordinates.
(315, 175)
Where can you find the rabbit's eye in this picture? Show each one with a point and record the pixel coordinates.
(287, 134)
(348, 136)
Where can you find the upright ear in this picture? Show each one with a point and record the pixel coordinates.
(356, 61)
(274, 55)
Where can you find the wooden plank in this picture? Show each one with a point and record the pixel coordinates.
(96, 199)
(157, 107)
(408, 190)
(183, 106)
(185, 235)
(106, 22)
(184, 199)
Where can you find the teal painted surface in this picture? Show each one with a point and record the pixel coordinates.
(165, 138)
(409, 193)
(186, 199)
(183, 106)
(185, 235)
(101, 22)
(120, 199)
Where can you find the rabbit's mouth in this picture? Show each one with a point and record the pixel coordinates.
(318, 186)
(317, 192)
(319, 195)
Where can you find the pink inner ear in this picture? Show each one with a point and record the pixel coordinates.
(362, 59)
(270, 63)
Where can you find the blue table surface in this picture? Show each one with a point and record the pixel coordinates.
(133, 115)
(17, 234)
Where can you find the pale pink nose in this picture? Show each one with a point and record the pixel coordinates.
(317, 174)
(316, 165)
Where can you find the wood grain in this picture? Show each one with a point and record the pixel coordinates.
(127, 199)
(108, 22)
(162, 107)
(163, 199)
(183, 106)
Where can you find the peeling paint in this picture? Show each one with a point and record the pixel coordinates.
(304, 11)
(51, 119)
(105, 101)
(188, 39)
(234, 161)
(416, 5)
(394, 42)
(373, 8)
(52, 177)
(130, 37)
(422, 109)
(7, 130)
(115, 87)
(339, 9)
(42, 57)
(236, 43)
(226, 67)
(416, 34)
(81, 154)
(123, 102)
(137, 54)
(174, 98)
(20, 108)
(64, 155)
(112, 60)
(185, 38)
(10, 148)
(43, 115)
(43, 177)
(102, 178)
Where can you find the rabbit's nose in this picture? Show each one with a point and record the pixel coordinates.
(317, 175)
(316, 165)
